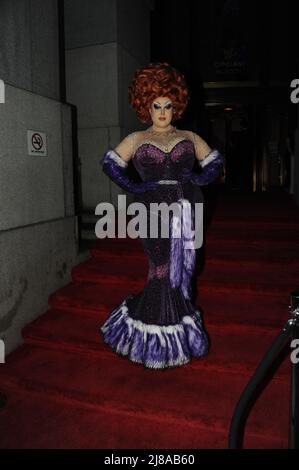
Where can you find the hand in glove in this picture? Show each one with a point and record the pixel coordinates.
(211, 168)
(116, 168)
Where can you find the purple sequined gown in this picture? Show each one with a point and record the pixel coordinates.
(159, 327)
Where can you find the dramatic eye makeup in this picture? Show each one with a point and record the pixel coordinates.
(168, 105)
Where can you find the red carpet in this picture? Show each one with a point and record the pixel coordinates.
(67, 389)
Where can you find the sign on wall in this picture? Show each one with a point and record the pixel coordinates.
(37, 143)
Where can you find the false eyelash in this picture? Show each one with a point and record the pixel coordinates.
(158, 106)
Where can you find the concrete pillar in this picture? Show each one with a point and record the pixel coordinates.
(106, 40)
(38, 230)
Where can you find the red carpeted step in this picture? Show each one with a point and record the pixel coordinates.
(232, 347)
(113, 268)
(285, 253)
(261, 277)
(67, 388)
(278, 275)
(218, 305)
(75, 425)
(116, 384)
(213, 249)
(70, 424)
(290, 241)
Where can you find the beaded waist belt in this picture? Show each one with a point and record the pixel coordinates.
(184, 179)
(168, 181)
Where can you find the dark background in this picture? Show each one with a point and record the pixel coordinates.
(239, 58)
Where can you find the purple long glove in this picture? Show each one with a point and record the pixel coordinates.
(211, 168)
(115, 167)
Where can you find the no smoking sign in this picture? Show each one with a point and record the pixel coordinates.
(37, 143)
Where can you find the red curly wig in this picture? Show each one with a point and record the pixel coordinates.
(158, 79)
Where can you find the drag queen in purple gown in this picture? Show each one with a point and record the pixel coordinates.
(160, 327)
